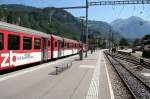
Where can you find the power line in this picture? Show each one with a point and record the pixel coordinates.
(120, 12)
(77, 7)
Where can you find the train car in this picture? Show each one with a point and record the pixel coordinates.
(57, 46)
(146, 50)
(70, 47)
(20, 46)
(75, 47)
(63, 47)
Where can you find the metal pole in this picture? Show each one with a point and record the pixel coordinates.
(86, 26)
(112, 38)
(81, 51)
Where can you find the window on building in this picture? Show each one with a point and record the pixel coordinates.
(27, 43)
(13, 42)
(37, 43)
(1, 41)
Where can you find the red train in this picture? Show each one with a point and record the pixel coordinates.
(20, 46)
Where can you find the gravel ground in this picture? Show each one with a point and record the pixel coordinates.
(120, 90)
(140, 90)
(137, 70)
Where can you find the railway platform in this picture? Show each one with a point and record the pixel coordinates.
(86, 79)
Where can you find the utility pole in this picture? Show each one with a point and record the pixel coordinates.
(109, 39)
(87, 6)
(81, 36)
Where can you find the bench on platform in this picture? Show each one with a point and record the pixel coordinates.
(63, 65)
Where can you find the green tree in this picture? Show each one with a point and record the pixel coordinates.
(123, 42)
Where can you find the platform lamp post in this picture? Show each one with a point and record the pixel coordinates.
(81, 35)
(109, 39)
(82, 27)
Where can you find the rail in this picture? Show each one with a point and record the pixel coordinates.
(137, 88)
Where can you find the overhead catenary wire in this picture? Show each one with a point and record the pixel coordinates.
(120, 12)
(113, 9)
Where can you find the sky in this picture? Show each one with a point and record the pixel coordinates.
(107, 13)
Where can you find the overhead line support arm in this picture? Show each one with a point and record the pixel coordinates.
(119, 2)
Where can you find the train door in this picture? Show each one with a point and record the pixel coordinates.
(60, 50)
(45, 49)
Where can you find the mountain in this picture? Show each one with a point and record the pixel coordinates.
(50, 20)
(133, 27)
(18, 7)
(103, 29)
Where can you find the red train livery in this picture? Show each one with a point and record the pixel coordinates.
(20, 46)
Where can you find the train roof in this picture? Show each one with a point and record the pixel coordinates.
(57, 37)
(15, 28)
(70, 40)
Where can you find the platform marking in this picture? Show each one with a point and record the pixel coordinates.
(94, 84)
(109, 82)
(146, 74)
(33, 69)
(87, 66)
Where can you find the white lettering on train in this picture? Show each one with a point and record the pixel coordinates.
(4, 62)
(8, 59)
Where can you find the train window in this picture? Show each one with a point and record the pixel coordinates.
(27, 43)
(37, 43)
(67, 45)
(49, 43)
(64, 45)
(13, 42)
(55, 43)
(1, 41)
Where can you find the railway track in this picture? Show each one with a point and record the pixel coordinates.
(132, 59)
(138, 89)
